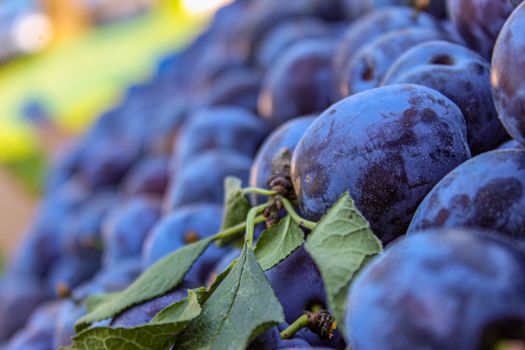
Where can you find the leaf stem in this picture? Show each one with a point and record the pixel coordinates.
(237, 229)
(296, 217)
(300, 323)
(250, 221)
(261, 191)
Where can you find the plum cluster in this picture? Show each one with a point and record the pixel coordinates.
(415, 108)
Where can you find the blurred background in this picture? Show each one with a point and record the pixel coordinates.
(63, 62)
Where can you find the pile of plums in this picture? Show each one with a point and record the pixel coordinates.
(416, 108)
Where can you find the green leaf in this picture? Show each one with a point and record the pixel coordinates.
(236, 206)
(341, 244)
(158, 334)
(159, 279)
(241, 306)
(278, 242)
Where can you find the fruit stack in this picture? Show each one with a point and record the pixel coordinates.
(324, 174)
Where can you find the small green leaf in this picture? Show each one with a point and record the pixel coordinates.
(278, 242)
(159, 279)
(236, 206)
(240, 307)
(341, 244)
(158, 334)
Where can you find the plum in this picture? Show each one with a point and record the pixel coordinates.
(271, 340)
(479, 21)
(82, 228)
(507, 75)
(37, 334)
(461, 75)
(143, 313)
(356, 8)
(219, 128)
(285, 137)
(69, 271)
(19, 297)
(486, 192)
(127, 227)
(387, 146)
(511, 144)
(301, 82)
(454, 289)
(41, 245)
(239, 87)
(373, 25)
(368, 67)
(64, 328)
(181, 227)
(298, 285)
(150, 176)
(286, 34)
(202, 179)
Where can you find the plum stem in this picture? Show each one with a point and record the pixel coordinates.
(296, 326)
(300, 323)
(250, 221)
(296, 217)
(260, 191)
(237, 229)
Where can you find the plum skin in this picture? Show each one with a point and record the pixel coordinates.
(463, 76)
(301, 82)
(285, 137)
(486, 192)
(508, 84)
(452, 288)
(178, 229)
(388, 155)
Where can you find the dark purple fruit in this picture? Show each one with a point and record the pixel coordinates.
(452, 289)
(388, 147)
(461, 75)
(300, 83)
(508, 76)
(486, 192)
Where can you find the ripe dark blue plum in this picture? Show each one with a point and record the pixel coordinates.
(143, 313)
(508, 76)
(286, 34)
(19, 296)
(69, 272)
(486, 192)
(370, 64)
(455, 289)
(110, 279)
(511, 144)
(82, 229)
(149, 176)
(41, 246)
(238, 87)
(356, 8)
(479, 21)
(388, 147)
(127, 227)
(461, 75)
(285, 137)
(37, 334)
(301, 82)
(271, 340)
(202, 179)
(181, 227)
(240, 131)
(371, 26)
(64, 326)
(298, 285)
